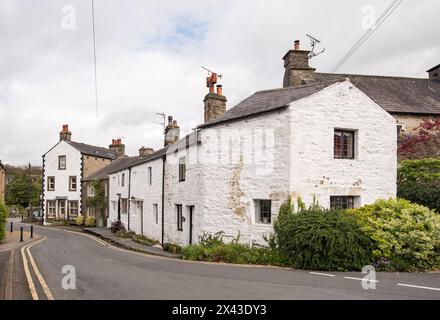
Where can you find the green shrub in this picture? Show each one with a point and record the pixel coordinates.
(406, 235)
(3, 217)
(419, 181)
(320, 239)
(173, 248)
(90, 221)
(233, 253)
(80, 220)
(209, 240)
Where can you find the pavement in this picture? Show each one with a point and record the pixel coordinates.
(100, 270)
(12, 282)
(128, 243)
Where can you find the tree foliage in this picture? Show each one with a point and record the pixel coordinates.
(419, 182)
(423, 142)
(98, 201)
(3, 217)
(21, 188)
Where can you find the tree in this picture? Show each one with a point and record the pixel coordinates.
(21, 188)
(98, 201)
(423, 142)
(419, 182)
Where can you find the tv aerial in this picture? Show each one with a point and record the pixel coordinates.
(313, 43)
(210, 72)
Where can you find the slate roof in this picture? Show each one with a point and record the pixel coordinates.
(114, 166)
(266, 101)
(94, 151)
(123, 164)
(395, 94)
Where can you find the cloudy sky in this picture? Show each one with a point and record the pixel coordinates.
(149, 56)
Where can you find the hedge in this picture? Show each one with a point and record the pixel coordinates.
(419, 182)
(3, 217)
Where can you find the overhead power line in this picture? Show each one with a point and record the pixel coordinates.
(387, 12)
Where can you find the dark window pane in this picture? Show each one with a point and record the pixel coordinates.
(341, 202)
(343, 146)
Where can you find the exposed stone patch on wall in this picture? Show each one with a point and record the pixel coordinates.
(235, 192)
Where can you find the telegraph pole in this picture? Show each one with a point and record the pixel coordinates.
(29, 193)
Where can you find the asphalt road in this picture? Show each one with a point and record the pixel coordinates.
(103, 272)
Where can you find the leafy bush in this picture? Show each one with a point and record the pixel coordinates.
(233, 253)
(419, 182)
(3, 217)
(80, 220)
(173, 248)
(406, 235)
(90, 221)
(209, 240)
(320, 239)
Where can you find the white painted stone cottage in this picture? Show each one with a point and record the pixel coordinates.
(326, 141)
(64, 166)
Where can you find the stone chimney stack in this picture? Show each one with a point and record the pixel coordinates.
(117, 147)
(65, 134)
(172, 132)
(434, 73)
(297, 69)
(215, 102)
(144, 152)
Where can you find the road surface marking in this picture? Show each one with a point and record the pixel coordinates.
(9, 276)
(43, 283)
(91, 237)
(31, 284)
(419, 287)
(322, 274)
(360, 279)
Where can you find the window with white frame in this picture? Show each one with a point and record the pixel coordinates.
(263, 211)
(123, 180)
(72, 183)
(73, 209)
(51, 207)
(91, 191)
(62, 162)
(156, 213)
(50, 183)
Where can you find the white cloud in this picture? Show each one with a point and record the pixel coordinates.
(150, 53)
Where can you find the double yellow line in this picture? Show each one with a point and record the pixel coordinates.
(27, 271)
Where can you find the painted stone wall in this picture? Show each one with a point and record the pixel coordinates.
(73, 168)
(143, 221)
(314, 171)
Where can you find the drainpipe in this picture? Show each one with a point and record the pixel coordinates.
(163, 199)
(129, 195)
